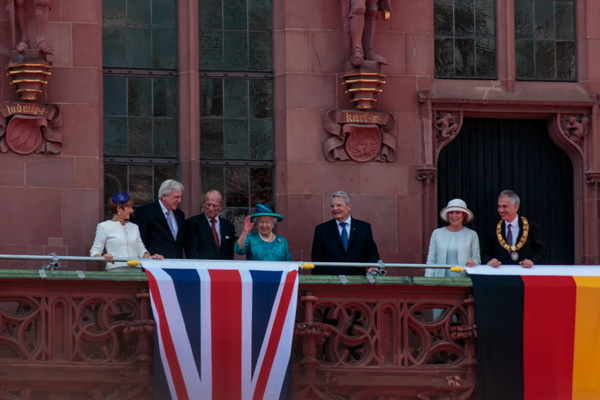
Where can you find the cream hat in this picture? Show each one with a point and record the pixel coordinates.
(456, 205)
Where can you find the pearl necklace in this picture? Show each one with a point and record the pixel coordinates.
(269, 239)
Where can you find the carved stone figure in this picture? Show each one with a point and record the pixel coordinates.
(446, 126)
(359, 28)
(18, 25)
(577, 130)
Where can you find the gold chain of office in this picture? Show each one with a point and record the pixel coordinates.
(521, 242)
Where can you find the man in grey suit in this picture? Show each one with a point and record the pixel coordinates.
(209, 236)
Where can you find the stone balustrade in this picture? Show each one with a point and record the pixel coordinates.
(89, 335)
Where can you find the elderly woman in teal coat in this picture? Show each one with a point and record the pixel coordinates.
(263, 245)
(453, 244)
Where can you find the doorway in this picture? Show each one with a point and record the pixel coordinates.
(490, 155)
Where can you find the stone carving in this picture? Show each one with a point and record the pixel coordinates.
(427, 174)
(18, 25)
(592, 178)
(463, 332)
(576, 129)
(347, 339)
(359, 18)
(453, 380)
(363, 142)
(29, 127)
(447, 126)
(362, 76)
(360, 136)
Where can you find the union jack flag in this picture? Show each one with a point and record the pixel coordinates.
(224, 329)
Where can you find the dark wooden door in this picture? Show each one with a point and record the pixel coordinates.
(490, 155)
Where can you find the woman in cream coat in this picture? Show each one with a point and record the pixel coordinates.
(453, 244)
(119, 237)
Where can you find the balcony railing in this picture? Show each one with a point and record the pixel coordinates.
(89, 335)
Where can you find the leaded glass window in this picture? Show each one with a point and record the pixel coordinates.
(140, 96)
(140, 116)
(545, 40)
(139, 33)
(236, 103)
(235, 35)
(140, 180)
(465, 39)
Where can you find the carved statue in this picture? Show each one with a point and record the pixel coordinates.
(18, 25)
(359, 28)
(446, 126)
(577, 130)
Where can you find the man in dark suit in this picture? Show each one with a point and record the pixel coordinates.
(515, 240)
(343, 239)
(201, 241)
(161, 223)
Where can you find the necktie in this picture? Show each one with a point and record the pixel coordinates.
(344, 235)
(172, 224)
(509, 237)
(213, 226)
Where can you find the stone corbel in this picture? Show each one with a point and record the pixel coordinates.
(446, 125)
(574, 127)
(592, 178)
(427, 174)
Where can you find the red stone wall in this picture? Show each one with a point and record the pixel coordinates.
(52, 203)
(308, 83)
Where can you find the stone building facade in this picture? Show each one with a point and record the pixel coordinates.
(244, 96)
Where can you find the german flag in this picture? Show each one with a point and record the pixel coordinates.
(538, 336)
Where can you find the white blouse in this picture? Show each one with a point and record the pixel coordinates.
(122, 241)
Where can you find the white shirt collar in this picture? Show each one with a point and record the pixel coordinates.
(514, 222)
(216, 218)
(349, 220)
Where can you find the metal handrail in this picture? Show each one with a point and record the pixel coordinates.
(55, 262)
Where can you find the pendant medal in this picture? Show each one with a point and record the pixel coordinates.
(513, 250)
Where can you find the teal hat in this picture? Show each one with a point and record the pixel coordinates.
(265, 210)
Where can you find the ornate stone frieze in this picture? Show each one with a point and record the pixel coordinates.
(359, 136)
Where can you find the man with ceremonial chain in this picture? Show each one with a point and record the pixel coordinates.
(515, 240)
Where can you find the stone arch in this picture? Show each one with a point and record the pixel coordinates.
(569, 128)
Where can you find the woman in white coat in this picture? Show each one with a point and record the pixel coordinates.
(119, 237)
(453, 244)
